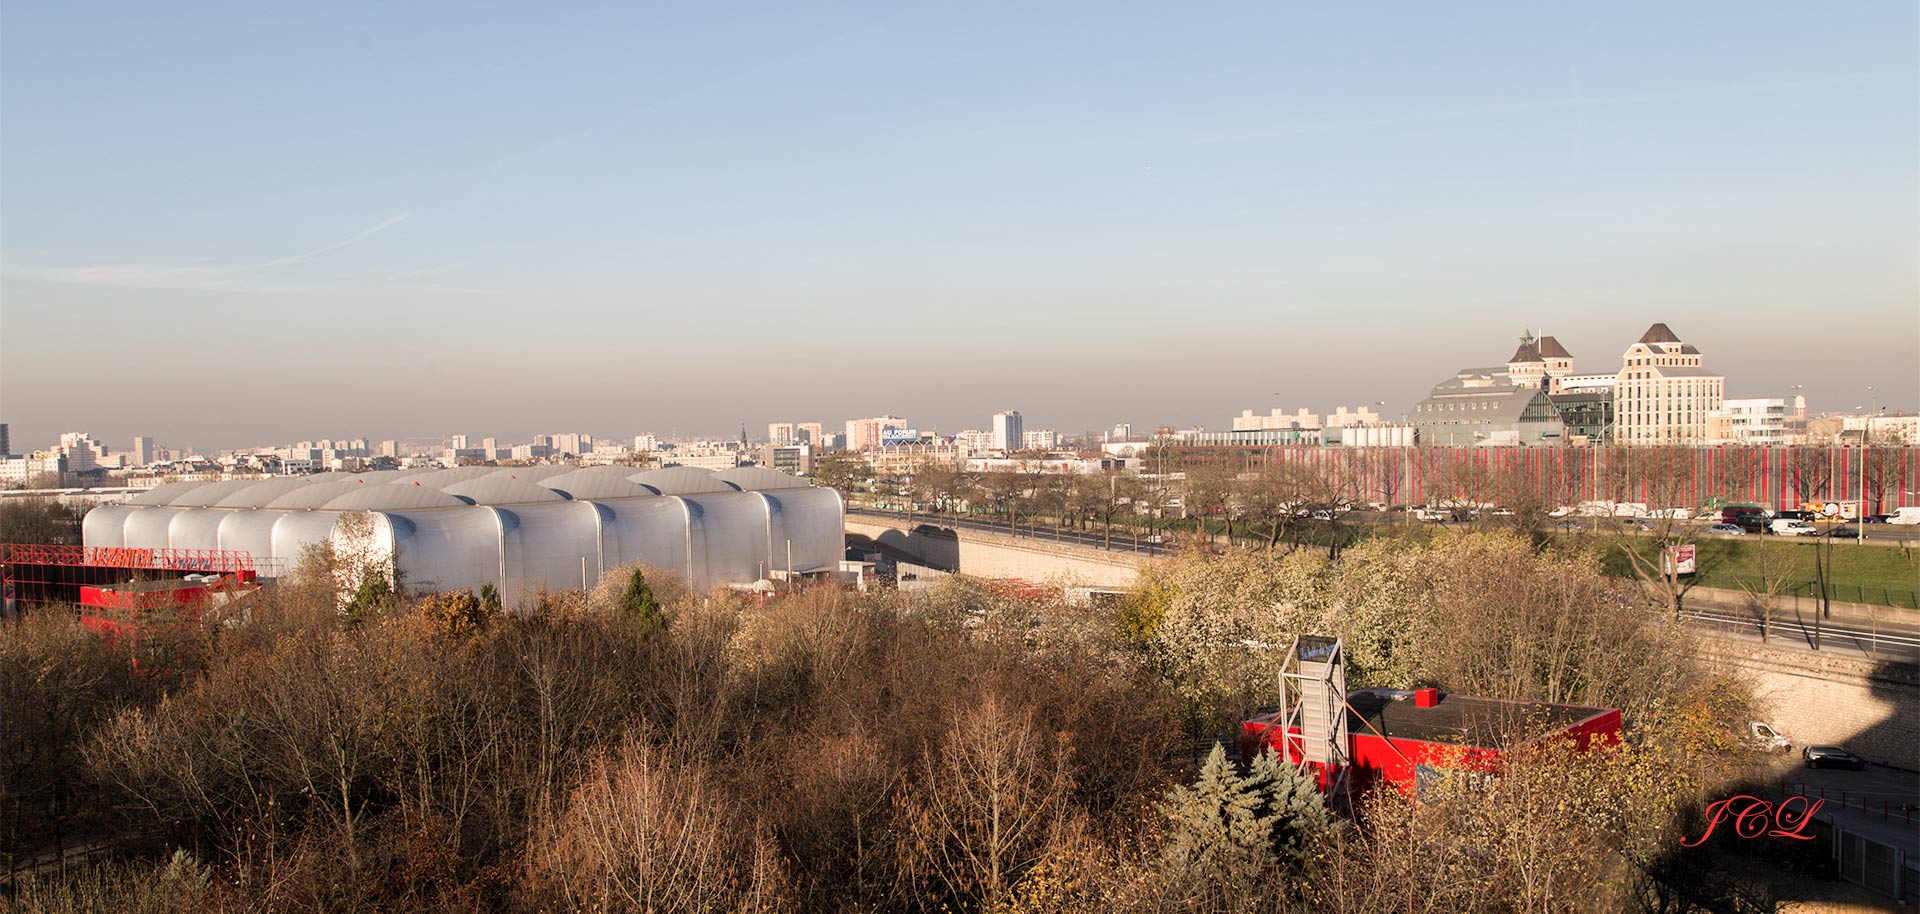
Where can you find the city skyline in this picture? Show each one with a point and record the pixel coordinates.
(1136, 215)
(723, 429)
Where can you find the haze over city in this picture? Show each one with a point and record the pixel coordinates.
(229, 229)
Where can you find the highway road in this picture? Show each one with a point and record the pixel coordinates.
(1893, 641)
(1122, 541)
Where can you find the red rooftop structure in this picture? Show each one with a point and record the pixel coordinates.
(1356, 740)
(1400, 737)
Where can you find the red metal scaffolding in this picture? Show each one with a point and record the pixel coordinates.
(40, 573)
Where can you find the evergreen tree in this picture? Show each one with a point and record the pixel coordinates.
(1217, 825)
(640, 606)
(1292, 801)
(374, 596)
(489, 600)
(1229, 830)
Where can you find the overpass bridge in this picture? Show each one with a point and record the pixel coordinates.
(976, 548)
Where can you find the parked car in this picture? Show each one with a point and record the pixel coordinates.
(1844, 532)
(1832, 757)
(1727, 530)
(1874, 519)
(1766, 737)
(1753, 523)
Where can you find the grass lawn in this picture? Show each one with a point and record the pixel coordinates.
(1861, 574)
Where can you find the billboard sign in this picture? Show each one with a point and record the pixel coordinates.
(1680, 559)
(890, 437)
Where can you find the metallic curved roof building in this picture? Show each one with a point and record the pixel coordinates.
(521, 529)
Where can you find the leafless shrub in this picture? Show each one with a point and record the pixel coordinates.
(641, 833)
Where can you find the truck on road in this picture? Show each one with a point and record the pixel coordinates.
(1791, 526)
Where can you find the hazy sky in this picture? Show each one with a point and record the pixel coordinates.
(250, 223)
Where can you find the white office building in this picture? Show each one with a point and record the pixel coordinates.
(1008, 432)
(1764, 421)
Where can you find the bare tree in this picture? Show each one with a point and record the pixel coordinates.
(1773, 567)
(995, 798)
(1653, 544)
(1210, 490)
(1277, 496)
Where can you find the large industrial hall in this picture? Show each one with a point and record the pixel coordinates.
(520, 529)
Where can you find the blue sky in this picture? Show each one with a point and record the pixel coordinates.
(260, 222)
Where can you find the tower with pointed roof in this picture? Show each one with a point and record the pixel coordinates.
(1539, 362)
(1664, 391)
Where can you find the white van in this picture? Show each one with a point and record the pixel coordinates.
(1787, 526)
(1904, 516)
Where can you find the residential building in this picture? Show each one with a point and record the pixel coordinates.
(1664, 393)
(1008, 431)
(1341, 417)
(6, 443)
(1040, 439)
(810, 433)
(1880, 430)
(975, 440)
(573, 443)
(1277, 419)
(864, 434)
(780, 434)
(143, 450)
(716, 460)
(907, 458)
(645, 443)
(1762, 421)
(37, 466)
(82, 452)
(1120, 432)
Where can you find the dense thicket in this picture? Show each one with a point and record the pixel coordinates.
(643, 748)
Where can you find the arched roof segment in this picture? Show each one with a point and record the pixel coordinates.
(759, 479)
(588, 485)
(395, 496)
(683, 481)
(500, 490)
